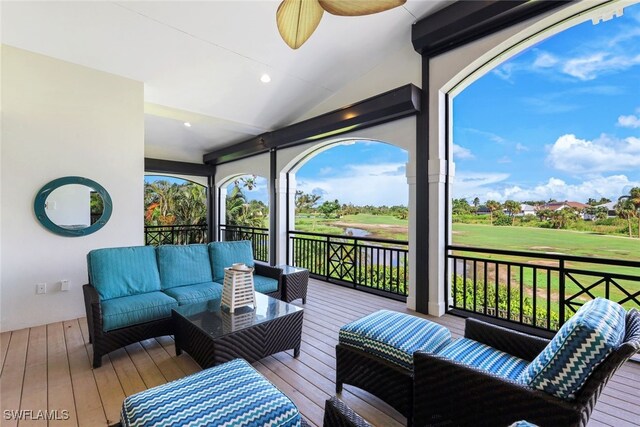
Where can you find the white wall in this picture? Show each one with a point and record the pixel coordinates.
(61, 119)
(396, 70)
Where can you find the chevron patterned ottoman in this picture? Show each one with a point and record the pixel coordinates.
(231, 394)
(394, 336)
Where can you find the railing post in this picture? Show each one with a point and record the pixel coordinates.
(561, 301)
(328, 260)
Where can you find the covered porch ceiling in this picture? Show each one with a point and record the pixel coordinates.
(201, 62)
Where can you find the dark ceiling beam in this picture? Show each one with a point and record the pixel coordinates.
(392, 105)
(466, 21)
(178, 168)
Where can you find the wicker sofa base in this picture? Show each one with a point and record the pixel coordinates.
(383, 379)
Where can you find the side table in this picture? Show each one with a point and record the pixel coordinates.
(295, 281)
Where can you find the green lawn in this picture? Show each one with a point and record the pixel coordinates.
(547, 240)
(555, 241)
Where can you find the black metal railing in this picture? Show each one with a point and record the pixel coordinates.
(259, 238)
(174, 234)
(376, 265)
(532, 289)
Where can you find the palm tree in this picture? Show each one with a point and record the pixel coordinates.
(514, 208)
(492, 205)
(625, 209)
(634, 197)
(476, 203)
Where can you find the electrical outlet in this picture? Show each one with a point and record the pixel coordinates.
(64, 285)
(41, 288)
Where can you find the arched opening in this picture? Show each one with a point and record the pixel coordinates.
(348, 214)
(175, 211)
(543, 145)
(244, 212)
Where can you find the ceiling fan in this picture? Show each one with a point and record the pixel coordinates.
(298, 19)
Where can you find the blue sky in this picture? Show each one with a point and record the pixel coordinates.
(366, 172)
(560, 120)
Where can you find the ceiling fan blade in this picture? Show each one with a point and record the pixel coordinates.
(297, 20)
(358, 7)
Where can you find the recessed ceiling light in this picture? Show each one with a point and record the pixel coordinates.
(265, 78)
(187, 124)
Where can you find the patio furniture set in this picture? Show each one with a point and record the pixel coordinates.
(491, 376)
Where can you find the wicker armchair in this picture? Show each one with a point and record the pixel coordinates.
(447, 392)
(338, 414)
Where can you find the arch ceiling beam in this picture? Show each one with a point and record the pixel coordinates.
(392, 105)
(466, 21)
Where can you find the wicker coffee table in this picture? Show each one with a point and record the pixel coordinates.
(212, 335)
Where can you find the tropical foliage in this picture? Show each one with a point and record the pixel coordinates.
(167, 203)
(243, 212)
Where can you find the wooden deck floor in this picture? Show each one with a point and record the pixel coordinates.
(49, 368)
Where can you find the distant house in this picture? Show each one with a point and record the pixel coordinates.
(527, 210)
(556, 206)
(610, 207)
(482, 210)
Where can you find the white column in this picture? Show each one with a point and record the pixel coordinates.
(222, 219)
(437, 179)
(413, 217)
(282, 226)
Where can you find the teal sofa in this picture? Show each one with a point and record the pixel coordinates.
(132, 290)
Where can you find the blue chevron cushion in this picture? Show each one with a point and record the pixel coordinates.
(482, 356)
(580, 345)
(394, 336)
(231, 394)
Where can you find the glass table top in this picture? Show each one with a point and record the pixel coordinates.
(288, 269)
(216, 321)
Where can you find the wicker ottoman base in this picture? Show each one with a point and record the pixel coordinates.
(386, 380)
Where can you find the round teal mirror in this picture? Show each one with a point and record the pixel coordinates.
(73, 206)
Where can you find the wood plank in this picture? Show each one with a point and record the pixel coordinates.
(184, 361)
(327, 384)
(309, 409)
(148, 370)
(111, 392)
(59, 388)
(88, 404)
(12, 377)
(34, 389)
(128, 375)
(163, 360)
(5, 339)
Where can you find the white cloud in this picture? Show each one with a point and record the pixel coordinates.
(376, 184)
(504, 159)
(591, 66)
(521, 147)
(325, 171)
(600, 186)
(605, 154)
(630, 121)
(461, 153)
(545, 60)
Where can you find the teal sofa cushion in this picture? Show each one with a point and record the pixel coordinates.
(119, 272)
(580, 345)
(265, 285)
(181, 265)
(191, 294)
(224, 254)
(132, 310)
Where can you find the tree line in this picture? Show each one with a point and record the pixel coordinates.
(626, 208)
(308, 203)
